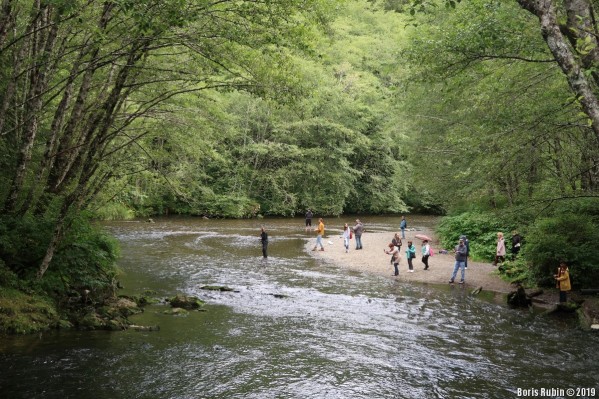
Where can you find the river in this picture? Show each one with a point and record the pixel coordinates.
(295, 328)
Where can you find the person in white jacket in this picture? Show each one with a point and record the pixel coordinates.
(500, 253)
(426, 252)
(346, 237)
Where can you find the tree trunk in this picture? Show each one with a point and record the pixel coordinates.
(565, 57)
(581, 26)
(6, 20)
(42, 47)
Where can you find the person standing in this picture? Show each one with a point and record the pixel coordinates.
(319, 234)
(500, 252)
(403, 225)
(467, 244)
(309, 216)
(460, 258)
(516, 243)
(563, 281)
(396, 241)
(358, 230)
(395, 257)
(264, 239)
(426, 253)
(346, 237)
(410, 254)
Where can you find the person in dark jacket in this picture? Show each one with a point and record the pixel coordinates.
(460, 259)
(264, 239)
(516, 244)
(358, 230)
(467, 244)
(309, 216)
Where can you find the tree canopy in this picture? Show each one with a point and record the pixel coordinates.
(237, 108)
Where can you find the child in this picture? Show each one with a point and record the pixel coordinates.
(563, 281)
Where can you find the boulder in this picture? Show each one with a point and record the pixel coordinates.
(518, 298)
(186, 302)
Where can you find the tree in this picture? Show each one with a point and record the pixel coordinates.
(495, 114)
(84, 80)
(574, 46)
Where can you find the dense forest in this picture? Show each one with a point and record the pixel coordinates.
(485, 111)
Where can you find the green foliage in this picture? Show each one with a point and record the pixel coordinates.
(487, 131)
(569, 234)
(566, 231)
(518, 271)
(85, 260)
(23, 241)
(317, 135)
(8, 278)
(114, 211)
(22, 313)
(481, 228)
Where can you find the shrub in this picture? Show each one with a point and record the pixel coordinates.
(84, 260)
(569, 237)
(114, 211)
(481, 230)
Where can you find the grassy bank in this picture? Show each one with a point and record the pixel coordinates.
(22, 313)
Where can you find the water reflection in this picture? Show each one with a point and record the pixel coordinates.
(328, 333)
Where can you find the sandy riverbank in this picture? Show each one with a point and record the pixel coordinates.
(372, 259)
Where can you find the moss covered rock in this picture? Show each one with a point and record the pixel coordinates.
(186, 302)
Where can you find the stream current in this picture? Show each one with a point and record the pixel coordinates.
(296, 327)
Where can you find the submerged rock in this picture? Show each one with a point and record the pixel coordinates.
(217, 288)
(143, 328)
(176, 312)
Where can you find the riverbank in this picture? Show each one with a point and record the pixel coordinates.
(372, 259)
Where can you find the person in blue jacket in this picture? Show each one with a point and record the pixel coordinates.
(403, 226)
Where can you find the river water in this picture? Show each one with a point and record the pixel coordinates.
(295, 328)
